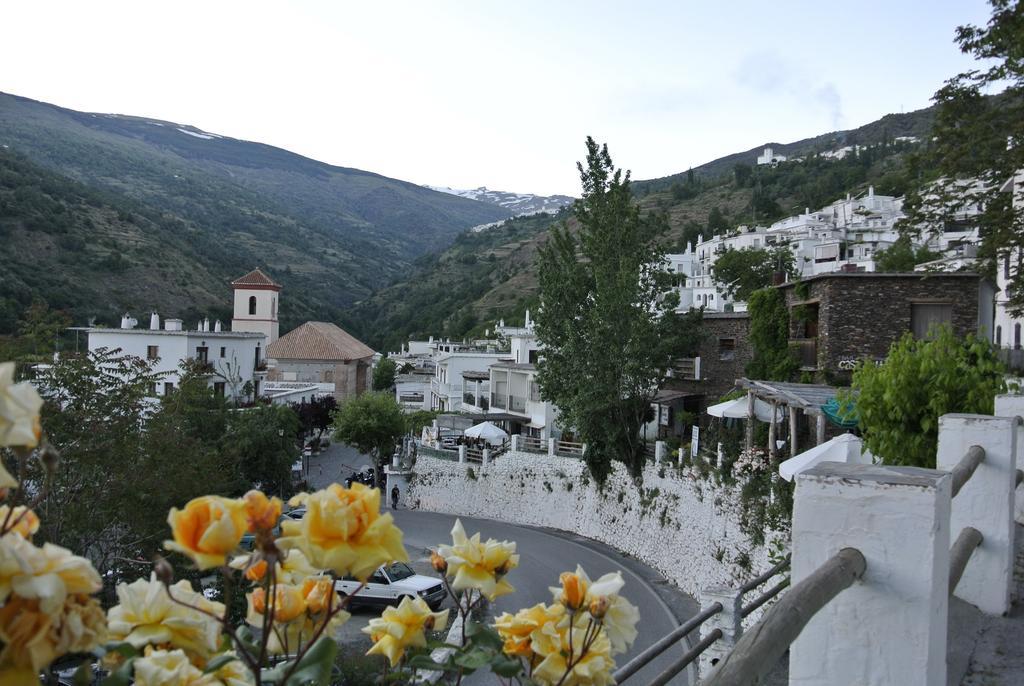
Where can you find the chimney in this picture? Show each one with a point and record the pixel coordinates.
(778, 278)
(206, 323)
(128, 322)
(527, 318)
(871, 192)
(430, 340)
(154, 322)
(217, 327)
(172, 324)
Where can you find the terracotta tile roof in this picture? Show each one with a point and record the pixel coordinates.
(255, 278)
(318, 341)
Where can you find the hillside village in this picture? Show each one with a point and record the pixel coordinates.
(267, 420)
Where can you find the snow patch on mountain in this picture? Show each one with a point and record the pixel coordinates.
(518, 203)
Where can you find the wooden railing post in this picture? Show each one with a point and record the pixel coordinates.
(985, 502)
(728, 620)
(890, 627)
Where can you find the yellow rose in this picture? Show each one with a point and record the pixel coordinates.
(25, 633)
(167, 668)
(48, 573)
(208, 529)
(479, 565)
(591, 668)
(261, 512)
(317, 593)
(21, 520)
(145, 614)
(402, 627)
(256, 571)
(234, 673)
(82, 625)
(289, 603)
(574, 590)
(19, 415)
(517, 630)
(343, 530)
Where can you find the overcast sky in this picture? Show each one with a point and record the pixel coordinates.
(466, 94)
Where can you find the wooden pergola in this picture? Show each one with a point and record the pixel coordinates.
(804, 397)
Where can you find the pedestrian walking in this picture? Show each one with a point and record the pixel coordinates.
(394, 497)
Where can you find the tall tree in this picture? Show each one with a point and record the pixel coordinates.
(384, 374)
(606, 318)
(741, 272)
(372, 423)
(978, 141)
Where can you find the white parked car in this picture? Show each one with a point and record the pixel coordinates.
(390, 583)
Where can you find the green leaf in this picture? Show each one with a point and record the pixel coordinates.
(83, 675)
(122, 676)
(473, 659)
(506, 666)
(315, 666)
(218, 662)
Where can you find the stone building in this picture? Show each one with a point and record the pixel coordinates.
(321, 352)
(838, 319)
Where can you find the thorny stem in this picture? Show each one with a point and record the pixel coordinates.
(241, 649)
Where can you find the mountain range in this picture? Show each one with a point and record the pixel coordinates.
(519, 203)
(181, 212)
(102, 214)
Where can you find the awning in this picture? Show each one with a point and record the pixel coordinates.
(843, 448)
(841, 414)
(737, 409)
(488, 432)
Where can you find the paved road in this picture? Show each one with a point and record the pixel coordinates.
(544, 554)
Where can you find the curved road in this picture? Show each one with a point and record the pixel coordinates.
(544, 554)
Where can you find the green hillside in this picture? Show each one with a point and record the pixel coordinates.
(208, 208)
(484, 277)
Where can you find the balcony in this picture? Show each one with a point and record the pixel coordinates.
(805, 350)
(517, 403)
(498, 401)
(469, 399)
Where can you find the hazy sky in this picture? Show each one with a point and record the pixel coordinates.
(476, 93)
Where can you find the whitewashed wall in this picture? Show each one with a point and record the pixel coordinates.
(683, 526)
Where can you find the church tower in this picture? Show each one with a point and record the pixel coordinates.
(256, 303)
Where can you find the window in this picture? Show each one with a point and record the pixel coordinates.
(1006, 266)
(924, 316)
(533, 356)
(252, 304)
(1016, 336)
(168, 387)
(223, 351)
(999, 336)
(152, 352)
(218, 389)
(726, 348)
(273, 307)
(152, 388)
(203, 354)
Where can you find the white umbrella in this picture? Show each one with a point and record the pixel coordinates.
(488, 432)
(737, 409)
(843, 448)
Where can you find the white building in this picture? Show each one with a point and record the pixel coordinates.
(846, 235)
(256, 300)
(447, 386)
(230, 358)
(412, 391)
(1007, 332)
(769, 156)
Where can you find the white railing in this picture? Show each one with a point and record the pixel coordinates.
(873, 568)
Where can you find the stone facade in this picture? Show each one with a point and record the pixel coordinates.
(686, 528)
(838, 319)
(724, 354)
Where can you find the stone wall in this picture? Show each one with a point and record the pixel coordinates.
(719, 375)
(684, 527)
(861, 315)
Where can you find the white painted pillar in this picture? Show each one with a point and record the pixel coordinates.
(720, 455)
(514, 447)
(985, 502)
(682, 455)
(551, 447)
(462, 453)
(1013, 406)
(819, 432)
(659, 451)
(485, 456)
(728, 620)
(889, 627)
(749, 427)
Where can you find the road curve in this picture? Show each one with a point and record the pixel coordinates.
(544, 554)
